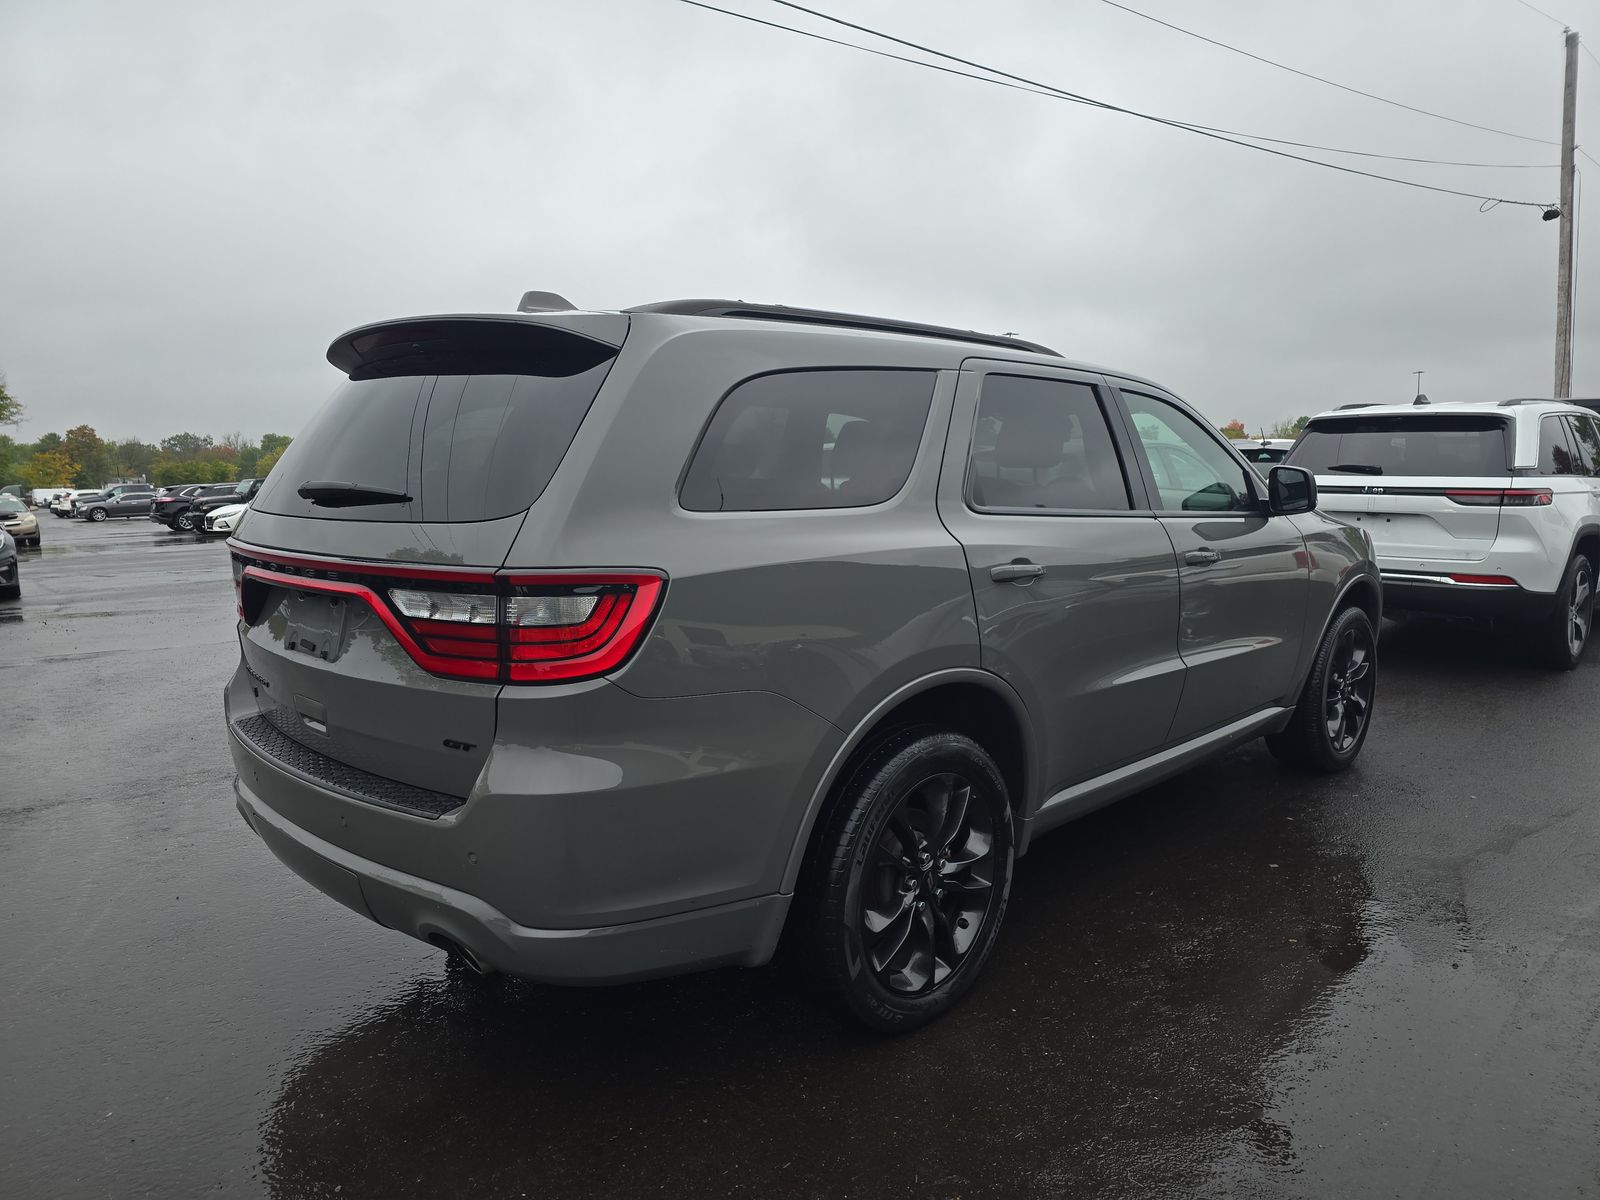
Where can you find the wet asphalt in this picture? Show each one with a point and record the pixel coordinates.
(1243, 983)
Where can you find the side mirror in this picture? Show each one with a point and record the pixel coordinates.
(1291, 490)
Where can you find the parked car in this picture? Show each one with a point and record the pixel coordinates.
(63, 504)
(1265, 450)
(17, 519)
(173, 507)
(1487, 510)
(45, 497)
(224, 519)
(746, 622)
(120, 500)
(241, 492)
(10, 572)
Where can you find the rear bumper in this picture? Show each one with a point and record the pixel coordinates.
(1439, 594)
(742, 933)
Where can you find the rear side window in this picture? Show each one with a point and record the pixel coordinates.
(1555, 452)
(1043, 444)
(477, 440)
(810, 439)
(1409, 444)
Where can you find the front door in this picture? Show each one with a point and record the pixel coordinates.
(1243, 574)
(1074, 578)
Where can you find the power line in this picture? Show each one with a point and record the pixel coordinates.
(1354, 91)
(1053, 94)
(1062, 94)
(1584, 46)
(1545, 15)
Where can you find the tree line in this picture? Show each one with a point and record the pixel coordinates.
(82, 458)
(1283, 429)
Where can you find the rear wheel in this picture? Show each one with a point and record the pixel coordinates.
(1564, 634)
(1330, 722)
(908, 879)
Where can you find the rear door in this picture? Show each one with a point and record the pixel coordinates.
(1424, 485)
(1074, 579)
(1244, 576)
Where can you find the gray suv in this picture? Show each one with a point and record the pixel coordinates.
(596, 646)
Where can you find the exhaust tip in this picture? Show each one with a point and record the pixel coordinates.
(460, 954)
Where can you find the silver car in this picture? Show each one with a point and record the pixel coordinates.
(595, 646)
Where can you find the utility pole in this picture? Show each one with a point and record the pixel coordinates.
(1569, 110)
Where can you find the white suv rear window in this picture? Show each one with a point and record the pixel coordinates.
(1412, 444)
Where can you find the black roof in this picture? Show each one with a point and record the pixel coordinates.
(817, 316)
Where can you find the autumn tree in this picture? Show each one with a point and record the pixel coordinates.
(83, 446)
(1233, 429)
(49, 469)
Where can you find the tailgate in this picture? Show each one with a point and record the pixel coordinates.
(1420, 520)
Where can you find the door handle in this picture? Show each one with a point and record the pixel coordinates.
(1202, 557)
(1016, 572)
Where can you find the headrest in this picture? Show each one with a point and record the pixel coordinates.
(1032, 437)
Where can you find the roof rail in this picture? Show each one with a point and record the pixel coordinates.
(1364, 404)
(816, 316)
(1530, 400)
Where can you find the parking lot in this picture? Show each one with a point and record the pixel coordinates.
(1243, 983)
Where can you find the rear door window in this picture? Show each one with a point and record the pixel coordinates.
(1585, 435)
(1043, 444)
(1408, 444)
(1555, 452)
(810, 439)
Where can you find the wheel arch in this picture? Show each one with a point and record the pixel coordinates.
(1364, 591)
(965, 700)
(1587, 540)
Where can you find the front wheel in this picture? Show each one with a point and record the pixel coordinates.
(97, 514)
(1331, 720)
(1565, 633)
(908, 879)
(183, 522)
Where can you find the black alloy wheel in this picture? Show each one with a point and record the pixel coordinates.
(929, 885)
(906, 882)
(1330, 723)
(1347, 694)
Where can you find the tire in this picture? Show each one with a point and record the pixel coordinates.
(11, 591)
(1330, 723)
(183, 523)
(96, 514)
(918, 843)
(1562, 637)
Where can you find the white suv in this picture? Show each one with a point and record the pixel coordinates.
(1488, 510)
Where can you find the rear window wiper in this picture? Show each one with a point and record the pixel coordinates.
(329, 494)
(1353, 468)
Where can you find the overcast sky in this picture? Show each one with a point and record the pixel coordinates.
(197, 197)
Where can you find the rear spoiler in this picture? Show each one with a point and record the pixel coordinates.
(498, 343)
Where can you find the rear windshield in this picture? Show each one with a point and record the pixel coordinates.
(460, 446)
(1404, 445)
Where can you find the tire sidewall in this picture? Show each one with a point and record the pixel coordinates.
(1560, 650)
(932, 755)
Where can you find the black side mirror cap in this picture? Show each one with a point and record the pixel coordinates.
(1291, 490)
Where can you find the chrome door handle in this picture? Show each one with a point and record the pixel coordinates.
(1016, 572)
(1203, 557)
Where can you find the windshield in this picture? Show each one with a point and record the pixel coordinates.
(9, 503)
(1409, 444)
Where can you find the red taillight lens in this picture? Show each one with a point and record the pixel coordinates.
(1485, 580)
(1502, 497)
(563, 628)
(505, 627)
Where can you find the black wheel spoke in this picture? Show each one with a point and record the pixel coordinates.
(928, 885)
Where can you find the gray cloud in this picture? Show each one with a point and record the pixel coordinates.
(198, 196)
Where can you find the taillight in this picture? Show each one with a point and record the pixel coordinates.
(1485, 580)
(507, 627)
(1502, 497)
